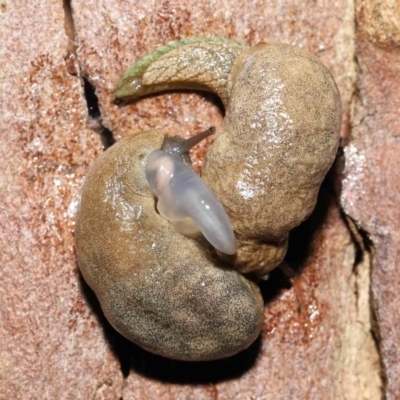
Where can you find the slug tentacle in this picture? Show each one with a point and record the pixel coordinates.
(174, 66)
(185, 199)
(179, 147)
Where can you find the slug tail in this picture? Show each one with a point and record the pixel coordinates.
(177, 66)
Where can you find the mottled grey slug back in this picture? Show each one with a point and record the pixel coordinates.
(277, 142)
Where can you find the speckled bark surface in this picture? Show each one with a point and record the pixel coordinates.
(371, 188)
(51, 345)
(316, 341)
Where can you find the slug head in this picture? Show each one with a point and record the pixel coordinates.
(184, 198)
(179, 147)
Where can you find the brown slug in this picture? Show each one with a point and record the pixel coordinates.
(280, 134)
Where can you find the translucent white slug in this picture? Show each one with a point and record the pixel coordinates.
(185, 199)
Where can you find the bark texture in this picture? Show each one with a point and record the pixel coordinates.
(332, 332)
(371, 185)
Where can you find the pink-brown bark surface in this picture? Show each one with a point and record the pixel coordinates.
(371, 188)
(331, 332)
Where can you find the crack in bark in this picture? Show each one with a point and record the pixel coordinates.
(95, 119)
(94, 116)
(364, 246)
(360, 238)
(74, 68)
(69, 28)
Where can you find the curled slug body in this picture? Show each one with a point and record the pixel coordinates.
(278, 139)
(157, 287)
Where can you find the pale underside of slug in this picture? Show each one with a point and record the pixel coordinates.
(277, 142)
(156, 287)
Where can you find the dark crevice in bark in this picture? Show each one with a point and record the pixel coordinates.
(73, 68)
(95, 120)
(107, 137)
(376, 337)
(364, 247)
(361, 239)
